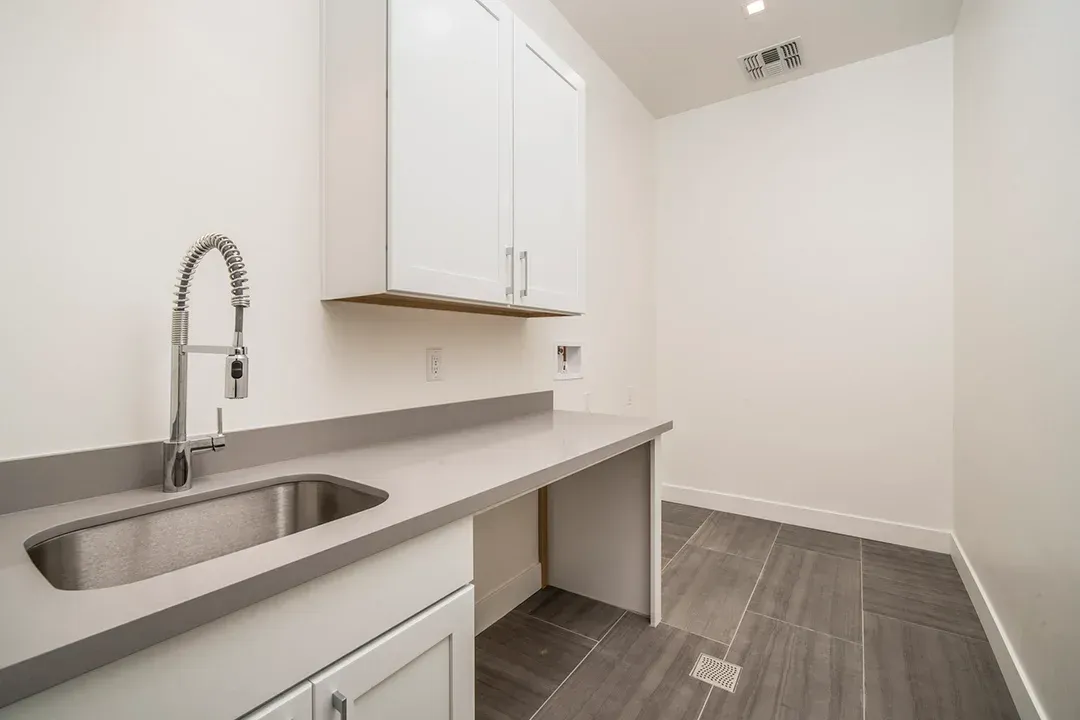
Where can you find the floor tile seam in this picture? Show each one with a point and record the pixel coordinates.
(687, 541)
(916, 551)
(712, 514)
(928, 627)
(698, 635)
(905, 582)
(580, 663)
(862, 621)
(917, 586)
(703, 547)
(724, 552)
(708, 695)
(521, 613)
(856, 643)
(938, 567)
(820, 552)
(826, 532)
(750, 599)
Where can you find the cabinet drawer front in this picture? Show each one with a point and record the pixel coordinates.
(449, 110)
(421, 670)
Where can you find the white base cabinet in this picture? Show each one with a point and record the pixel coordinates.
(453, 159)
(422, 670)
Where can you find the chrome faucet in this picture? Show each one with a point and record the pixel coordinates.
(176, 468)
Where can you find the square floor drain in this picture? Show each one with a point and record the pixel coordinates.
(716, 672)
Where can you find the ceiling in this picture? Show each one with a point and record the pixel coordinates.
(676, 55)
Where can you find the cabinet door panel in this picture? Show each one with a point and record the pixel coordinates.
(293, 705)
(421, 670)
(449, 106)
(418, 691)
(549, 177)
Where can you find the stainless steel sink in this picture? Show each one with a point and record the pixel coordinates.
(140, 547)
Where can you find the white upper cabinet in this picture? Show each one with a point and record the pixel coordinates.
(549, 177)
(453, 160)
(450, 113)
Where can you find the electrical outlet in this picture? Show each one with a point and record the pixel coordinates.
(434, 364)
(629, 396)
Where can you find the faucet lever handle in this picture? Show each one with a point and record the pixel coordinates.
(217, 440)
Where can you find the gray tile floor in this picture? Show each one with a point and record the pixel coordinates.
(824, 626)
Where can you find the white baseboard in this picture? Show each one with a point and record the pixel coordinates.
(871, 528)
(1027, 703)
(506, 597)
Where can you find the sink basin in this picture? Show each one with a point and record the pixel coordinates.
(135, 548)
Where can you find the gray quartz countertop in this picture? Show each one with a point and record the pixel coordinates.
(49, 635)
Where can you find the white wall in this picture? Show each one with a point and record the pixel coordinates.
(1017, 325)
(805, 291)
(131, 128)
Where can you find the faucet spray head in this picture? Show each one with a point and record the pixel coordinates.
(236, 362)
(236, 374)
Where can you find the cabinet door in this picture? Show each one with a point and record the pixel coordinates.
(549, 177)
(449, 150)
(293, 705)
(421, 670)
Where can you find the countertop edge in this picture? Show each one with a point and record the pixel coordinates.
(35, 674)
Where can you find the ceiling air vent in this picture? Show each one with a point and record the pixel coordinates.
(781, 58)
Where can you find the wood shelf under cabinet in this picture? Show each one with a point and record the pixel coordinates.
(432, 303)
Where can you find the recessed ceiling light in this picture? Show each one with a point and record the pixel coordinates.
(755, 7)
